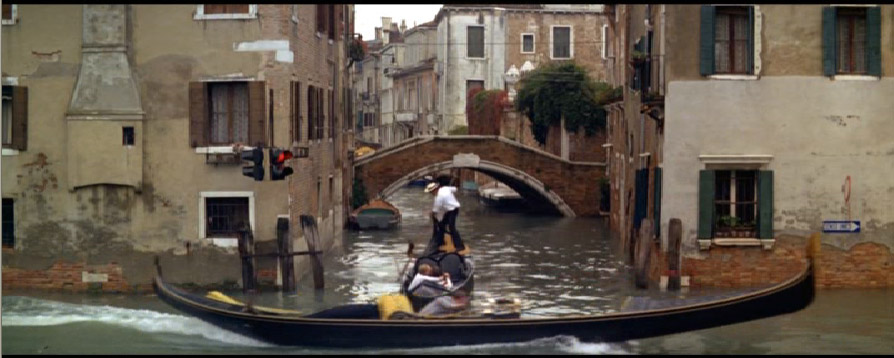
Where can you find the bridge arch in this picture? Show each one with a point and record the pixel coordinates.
(495, 170)
(548, 181)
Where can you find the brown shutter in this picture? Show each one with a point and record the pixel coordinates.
(198, 114)
(257, 131)
(237, 8)
(7, 11)
(321, 17)
(292, 113)
(214, 9)
(297, 111)
(20, 118)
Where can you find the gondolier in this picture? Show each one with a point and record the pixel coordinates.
(444, 212)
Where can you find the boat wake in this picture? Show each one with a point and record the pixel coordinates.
(30, 312)
(566, 344)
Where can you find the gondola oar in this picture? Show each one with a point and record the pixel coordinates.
(410, 258)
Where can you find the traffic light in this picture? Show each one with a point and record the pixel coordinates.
(256, 170)
(278, 168)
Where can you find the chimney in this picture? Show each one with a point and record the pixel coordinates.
(403, 25)
(386, 22)
(378, 33)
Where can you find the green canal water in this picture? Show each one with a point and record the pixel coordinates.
(557, 266)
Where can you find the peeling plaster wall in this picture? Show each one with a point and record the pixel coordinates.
(167, 49)
(458, 68)
(818, 131)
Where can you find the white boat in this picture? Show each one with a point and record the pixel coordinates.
(499, 195)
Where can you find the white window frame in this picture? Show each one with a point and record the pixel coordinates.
(15, 16)
(200, 14)
(533, 42)
(552, 42)
(483, 43)
(604, 42)
(225, 241)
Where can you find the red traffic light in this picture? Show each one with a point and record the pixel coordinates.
(284, 156)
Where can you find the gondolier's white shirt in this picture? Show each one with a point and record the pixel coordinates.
(445, 201)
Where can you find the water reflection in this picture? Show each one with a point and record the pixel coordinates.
(556, 265)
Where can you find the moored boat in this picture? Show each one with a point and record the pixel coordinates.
(377, 214)
(500, 196)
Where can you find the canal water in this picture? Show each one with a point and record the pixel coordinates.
(557, 266)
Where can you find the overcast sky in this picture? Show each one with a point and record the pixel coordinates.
(367, 17)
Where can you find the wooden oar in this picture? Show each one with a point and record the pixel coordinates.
(410, 258)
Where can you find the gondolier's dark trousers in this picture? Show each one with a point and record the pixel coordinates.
(449, 223)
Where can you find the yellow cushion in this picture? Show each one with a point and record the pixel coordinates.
(391, 303)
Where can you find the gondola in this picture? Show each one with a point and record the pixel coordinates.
(362, 325)
(377, 214)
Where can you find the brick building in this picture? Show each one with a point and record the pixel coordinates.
(123, 132)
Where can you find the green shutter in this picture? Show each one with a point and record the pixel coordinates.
(656, 205)
(765, 204)
(751, 35)
(705, 204)
(707, 41)
(829, 43)
(874, 41)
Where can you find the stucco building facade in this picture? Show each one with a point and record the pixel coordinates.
(130, 128)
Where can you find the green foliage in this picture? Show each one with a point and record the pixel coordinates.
(560, 89)
(459, 130)
(358, 196)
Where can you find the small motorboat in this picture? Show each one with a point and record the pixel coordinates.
(499, 195)
(377, 214)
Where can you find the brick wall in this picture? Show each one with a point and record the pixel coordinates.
(69, 276)
(865, 265)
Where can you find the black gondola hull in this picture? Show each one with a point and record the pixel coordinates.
(790, 296)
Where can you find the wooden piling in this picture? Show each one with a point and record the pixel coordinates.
(286, 260)
(675, 237)
(643, 248)
(246, 252)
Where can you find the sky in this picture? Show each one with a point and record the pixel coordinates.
(367, 17)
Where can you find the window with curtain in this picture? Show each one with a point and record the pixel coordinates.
(731, 48)
(527, 43)
(229, 112)
(226, 9)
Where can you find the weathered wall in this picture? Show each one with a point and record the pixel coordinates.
(458, 68)
(818, 133)
(98, 225)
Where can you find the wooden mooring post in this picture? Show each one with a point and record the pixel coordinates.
(642, 252)
(674, 237)
(246, 253)
(286, 262)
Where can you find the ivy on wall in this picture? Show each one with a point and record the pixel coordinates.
(485, 111)
(563, 89)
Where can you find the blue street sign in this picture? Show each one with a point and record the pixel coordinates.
(841, 226)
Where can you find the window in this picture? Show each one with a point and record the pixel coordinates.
(127, 136)
(15, 117)
(332, 119)
(475, 41)
(311, 113)
(7, 116)
(224, 216)
(10, 14)
(222, 113)
(9, 237)
(727, 40)
(296, 111)
(735, 203)
(852, 40)
(226, 11)
(229, 112)
(527, 43)
(330, 25)
(473, 84)
(731, 40)
(561, 42)
(322, 18)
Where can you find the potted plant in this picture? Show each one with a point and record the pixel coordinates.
(637, 57)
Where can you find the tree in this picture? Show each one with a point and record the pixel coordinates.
(561, 89)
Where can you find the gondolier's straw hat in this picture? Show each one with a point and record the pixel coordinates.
(431, 187)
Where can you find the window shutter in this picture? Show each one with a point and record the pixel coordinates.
(705, 204)
(198, 114)
(256, 129)
(656, 207)
(765, 204)
(19, 118)
(874, 41)
(706, 47)
(829, 42)
(642, 197)
(750, 65)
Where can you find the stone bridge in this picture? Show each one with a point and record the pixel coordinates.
(545, 180)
